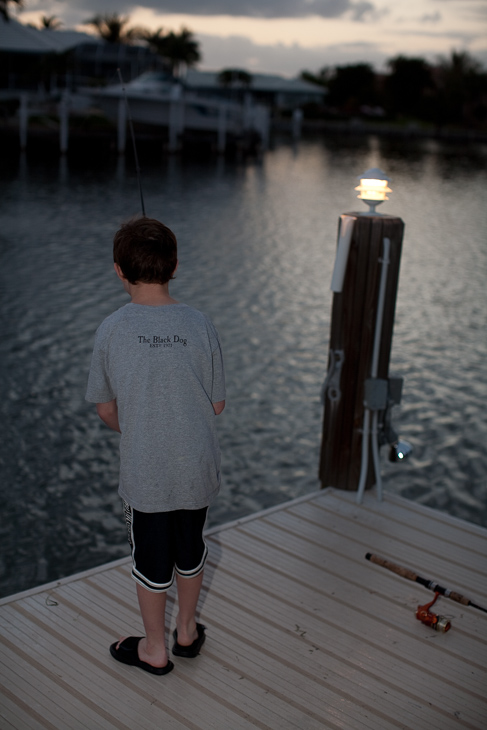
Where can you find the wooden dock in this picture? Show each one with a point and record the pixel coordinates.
(302, 632)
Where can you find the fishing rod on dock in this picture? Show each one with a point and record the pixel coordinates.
(132, 134)
(423, 614)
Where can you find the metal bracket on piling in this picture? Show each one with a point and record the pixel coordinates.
(331, 386)
(375, 394)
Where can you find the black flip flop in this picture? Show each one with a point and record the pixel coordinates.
(191, 651)
(127, 654)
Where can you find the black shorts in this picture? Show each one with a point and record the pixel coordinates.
(165, 543)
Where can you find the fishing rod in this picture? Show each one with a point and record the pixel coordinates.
(132, 134)
(431, 584)
(423, 613)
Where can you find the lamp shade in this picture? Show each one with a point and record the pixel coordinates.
(373, 187)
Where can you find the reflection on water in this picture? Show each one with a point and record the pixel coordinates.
(257, 245)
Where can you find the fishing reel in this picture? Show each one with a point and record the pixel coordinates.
(427, 617)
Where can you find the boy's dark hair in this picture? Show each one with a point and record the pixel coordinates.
(146, 251)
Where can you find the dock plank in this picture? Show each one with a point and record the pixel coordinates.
(303, 632)
(343, 636)
(426, 519)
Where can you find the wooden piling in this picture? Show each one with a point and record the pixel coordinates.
(222, 129)
(352, 333)
(176, 119)
(64, 123)
(297, 123)
(23, 120)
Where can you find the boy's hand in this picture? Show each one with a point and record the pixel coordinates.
(108, 413)
(218, 407)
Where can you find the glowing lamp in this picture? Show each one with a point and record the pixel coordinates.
(400, 450)
(373, 188)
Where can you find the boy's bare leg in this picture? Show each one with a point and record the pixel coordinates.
(152, 649)
(188, 594)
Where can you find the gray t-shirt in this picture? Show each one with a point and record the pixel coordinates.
(164, 367)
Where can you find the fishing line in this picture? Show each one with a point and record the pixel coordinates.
(132, 134)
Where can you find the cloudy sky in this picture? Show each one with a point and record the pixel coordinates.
(287, 36)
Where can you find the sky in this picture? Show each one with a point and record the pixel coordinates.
(289, 36)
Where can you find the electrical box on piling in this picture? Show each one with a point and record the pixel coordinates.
(358, 391)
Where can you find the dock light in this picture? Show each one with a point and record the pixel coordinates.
(373, 188)
(400, 450)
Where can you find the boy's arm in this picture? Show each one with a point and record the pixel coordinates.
(108, 413)
(218, 407)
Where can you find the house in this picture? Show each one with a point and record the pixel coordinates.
(272, 90)
(32, 58)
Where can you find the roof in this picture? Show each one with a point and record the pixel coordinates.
(260, 82)
(18, 38)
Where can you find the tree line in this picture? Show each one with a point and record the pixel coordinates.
(452, 92)
(175, 49)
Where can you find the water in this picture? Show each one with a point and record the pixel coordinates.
(256, 245)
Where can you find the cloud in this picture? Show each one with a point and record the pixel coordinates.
(432, 18)
(468, 8)
(358, 10)
(298, 39)
(266, 8)
(286, 60)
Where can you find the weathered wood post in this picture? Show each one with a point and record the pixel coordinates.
(23, 120)
(263, 125)
(176, 118)
(351, 387)
(297, 123)
(222, 129)
(121, 126)
(64, 122)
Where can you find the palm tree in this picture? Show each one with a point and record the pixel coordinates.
(111, 27)
(461, 85)
(175, 49)
(4, 7)
(180, 49)
(409, 86)
(321, 78)
(155, 40)
(234, 77)
(50, 22)
(460, 66)
(351, 87)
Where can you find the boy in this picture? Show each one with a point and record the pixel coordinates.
(157, 378)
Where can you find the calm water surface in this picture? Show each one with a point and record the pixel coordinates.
(257, 242)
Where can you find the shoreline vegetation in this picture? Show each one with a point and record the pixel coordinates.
(449, 94)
